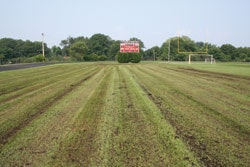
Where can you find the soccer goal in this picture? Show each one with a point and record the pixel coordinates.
(208, 58)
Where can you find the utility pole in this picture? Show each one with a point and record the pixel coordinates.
(43, 46)
(169, 50)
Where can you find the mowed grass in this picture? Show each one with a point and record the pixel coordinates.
(108, 114)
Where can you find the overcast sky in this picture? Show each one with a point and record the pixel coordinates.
(152, 21)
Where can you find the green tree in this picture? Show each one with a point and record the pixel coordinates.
(99, 44)
(243, 57)
(186, 44)
(165, 48)
(229, 51)
(56, 51)
(56, 54)
(15, 50)
(66, 43)
(173, 49)
(7, 48)
(154, 52)
(244, 54)
(113, 50)
(216, 52)
(78, 51)
(142, 46)
(2, 57)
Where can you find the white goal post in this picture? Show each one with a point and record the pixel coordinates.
(212, 60)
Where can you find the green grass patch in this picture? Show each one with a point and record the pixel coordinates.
(111, 114)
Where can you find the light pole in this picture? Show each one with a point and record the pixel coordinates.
(43, 46)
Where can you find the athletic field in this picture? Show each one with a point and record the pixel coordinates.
(109, 114)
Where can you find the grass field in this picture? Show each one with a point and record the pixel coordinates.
(108, 114)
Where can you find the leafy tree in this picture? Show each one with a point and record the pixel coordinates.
(7, 47)
(102, 47)
(173, 49)
(141, 44)
(2, 57)
(56, 51)
(113, 50)
(56, 54)
(216, 52)
(165, 48)
(243, 57)
(78, 51)
(13, 49)
(244, 54)
(154, 52)
(66, 43)
(229, 51)
(186, 44)
(79, 39)
(99, 44)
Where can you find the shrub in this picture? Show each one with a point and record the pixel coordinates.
(135, 57)
(102, 58)
(39, 58)
(128, 57)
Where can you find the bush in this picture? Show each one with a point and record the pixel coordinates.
(39, 58)
(91, 57)
(128, 57)
(135, 57)
(102, 58)
(122, 57)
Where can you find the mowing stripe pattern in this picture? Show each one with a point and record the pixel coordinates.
(149, 114)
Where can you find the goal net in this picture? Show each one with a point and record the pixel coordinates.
(206, 58)
(210, 60)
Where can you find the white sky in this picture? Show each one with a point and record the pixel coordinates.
(152, 21)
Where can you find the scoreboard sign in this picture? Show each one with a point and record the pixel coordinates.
(129, 46)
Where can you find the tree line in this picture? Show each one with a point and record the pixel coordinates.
(100, 47)
(224, 53)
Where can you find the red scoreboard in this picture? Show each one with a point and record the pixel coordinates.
(129, 46)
